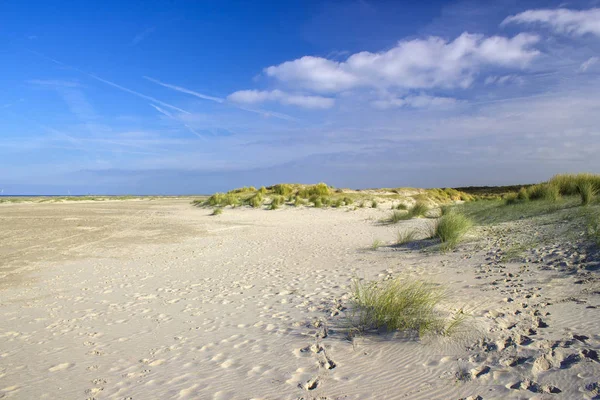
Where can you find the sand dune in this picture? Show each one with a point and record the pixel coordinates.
(157, 299)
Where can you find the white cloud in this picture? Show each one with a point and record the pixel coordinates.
(562, 20)
(420, 101)
(414, 64)
(588, 63)
(258, 96)
(503, 80)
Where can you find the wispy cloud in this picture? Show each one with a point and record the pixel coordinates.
(260, 96)
(107, 82)
(588, 64)
(142, 35)
(54, 83)
(561, 20)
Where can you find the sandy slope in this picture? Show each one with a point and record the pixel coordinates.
(157, 299)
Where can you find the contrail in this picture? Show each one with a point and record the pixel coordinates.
(221, 101)
(107, 82)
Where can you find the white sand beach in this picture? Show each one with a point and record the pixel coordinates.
(160, 300)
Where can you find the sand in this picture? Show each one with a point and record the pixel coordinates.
(159, 300)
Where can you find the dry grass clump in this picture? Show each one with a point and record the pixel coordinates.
(397, 216)
(450, 228)
(245, 189)
(398, 305)
(404, 237)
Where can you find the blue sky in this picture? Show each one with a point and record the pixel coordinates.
(179, 97)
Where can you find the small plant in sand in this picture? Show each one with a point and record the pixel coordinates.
(450, 228)
(337, 203)
(402, 206)
(217, 211)
(587, 191)
(397, 216)
(397, 304)
(404, 237)
(377, 243)
(361, 204)
(348, 201)
(374, 203)
(419, 209)
(276, 202)
(256, 200)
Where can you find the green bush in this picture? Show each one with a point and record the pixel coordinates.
(451, 227)
(217, 211)
(374, 203)
(402, 206)
(348, 201)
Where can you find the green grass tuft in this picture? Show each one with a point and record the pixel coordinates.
(404, 237)
(217, 211)
(587, 191)
(397, 305)
(544, 191)
(377, 243)
(419, 209)
(451, 227)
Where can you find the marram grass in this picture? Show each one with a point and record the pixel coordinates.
(399, 305)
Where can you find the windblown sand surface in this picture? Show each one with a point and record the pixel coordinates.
(159, 300)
